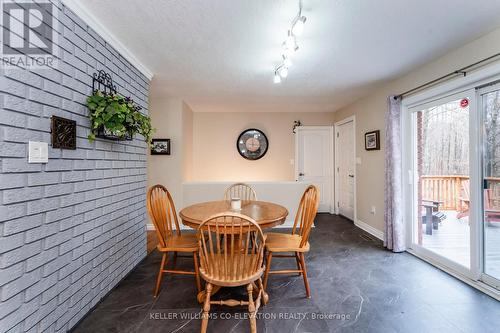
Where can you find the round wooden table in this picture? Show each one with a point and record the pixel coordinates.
(266, 214)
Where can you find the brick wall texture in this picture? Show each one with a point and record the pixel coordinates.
(70, 229)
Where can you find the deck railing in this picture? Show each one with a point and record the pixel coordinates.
(448, 189)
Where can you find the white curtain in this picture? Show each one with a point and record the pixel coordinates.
(393, 215)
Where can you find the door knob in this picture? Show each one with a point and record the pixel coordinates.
(352, 176)
(301, 174)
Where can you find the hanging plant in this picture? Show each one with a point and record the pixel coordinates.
(116, 117)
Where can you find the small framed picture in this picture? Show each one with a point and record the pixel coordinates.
(372, 140)
(160, 147)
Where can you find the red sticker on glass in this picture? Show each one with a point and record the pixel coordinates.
(464, 103)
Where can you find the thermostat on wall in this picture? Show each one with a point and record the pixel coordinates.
(38, 152)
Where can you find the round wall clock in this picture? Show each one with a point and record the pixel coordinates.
(252, 144)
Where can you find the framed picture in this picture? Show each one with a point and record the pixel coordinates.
(372, 140)
(160, 147)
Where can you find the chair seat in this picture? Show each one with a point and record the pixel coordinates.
(182, 243)
(221, 260)
(278, 242)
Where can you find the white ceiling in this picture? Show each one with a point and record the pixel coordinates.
(219, 55)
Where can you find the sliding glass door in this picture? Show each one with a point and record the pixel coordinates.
(490, 112)
(452, 191)
(441, 226)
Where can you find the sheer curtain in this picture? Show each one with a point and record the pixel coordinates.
(394, 233)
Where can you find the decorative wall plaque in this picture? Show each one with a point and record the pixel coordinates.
(63, 133)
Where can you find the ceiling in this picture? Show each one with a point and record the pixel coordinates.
(219, 55)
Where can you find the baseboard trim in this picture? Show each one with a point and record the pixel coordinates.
(369, 229)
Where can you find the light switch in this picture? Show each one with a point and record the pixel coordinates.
(38, 152)
(292, 162)
(358, 160)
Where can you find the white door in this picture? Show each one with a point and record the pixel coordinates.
(345, 168)
(314, 160)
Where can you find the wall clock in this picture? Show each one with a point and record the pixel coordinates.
(252, 144)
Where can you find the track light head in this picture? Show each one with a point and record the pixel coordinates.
(289, 51)
(283, 71)
(290, 42)
(287, 62)
(298, 27)
(277, 78)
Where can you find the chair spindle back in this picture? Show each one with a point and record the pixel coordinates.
(240, 190)
(306, 213)
(231, 247)
(162, 212)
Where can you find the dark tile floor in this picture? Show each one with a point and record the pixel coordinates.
(356, 286)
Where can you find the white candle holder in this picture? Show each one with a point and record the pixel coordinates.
(236, 204)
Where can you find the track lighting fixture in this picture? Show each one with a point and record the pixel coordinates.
(290, 46)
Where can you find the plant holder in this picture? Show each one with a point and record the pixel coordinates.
(113, 116)
(103, 133)
(102, 81)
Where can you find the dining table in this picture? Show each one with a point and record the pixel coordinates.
(266, 214)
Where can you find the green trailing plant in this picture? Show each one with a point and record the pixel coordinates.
(117, 115)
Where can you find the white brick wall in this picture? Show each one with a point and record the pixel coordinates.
(74, 227)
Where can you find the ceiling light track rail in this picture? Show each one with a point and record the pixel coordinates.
(462, 71)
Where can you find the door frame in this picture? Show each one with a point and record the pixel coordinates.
(330, 159)
(336, 180)
(410, 191)
(480, 91)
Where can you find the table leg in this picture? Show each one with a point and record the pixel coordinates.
(428, 220)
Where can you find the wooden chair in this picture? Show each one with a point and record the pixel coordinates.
(231, 257)
(296, 242)
(161, 209)
(464, 199)
(491, 206)
(240, 190)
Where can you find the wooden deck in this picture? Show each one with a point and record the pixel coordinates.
(452, 242)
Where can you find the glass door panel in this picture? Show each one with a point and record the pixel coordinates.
(491, 183)
(441, 187)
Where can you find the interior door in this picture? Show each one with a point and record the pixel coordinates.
(314, 160)
(344, 168)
